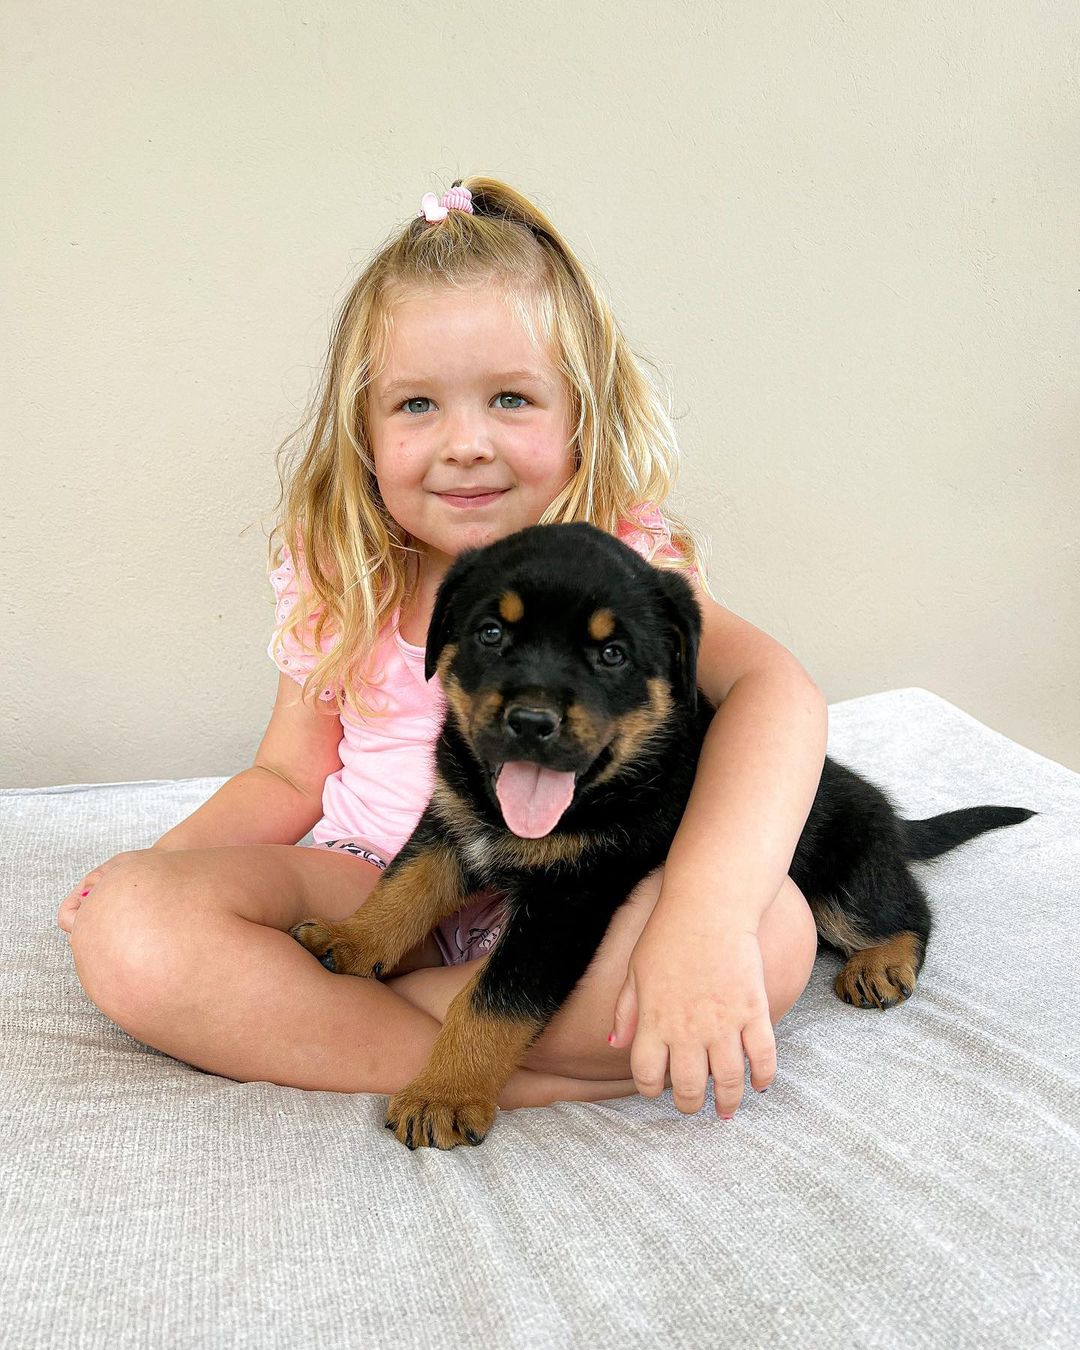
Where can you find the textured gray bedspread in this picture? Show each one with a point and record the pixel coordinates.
(909, 1180)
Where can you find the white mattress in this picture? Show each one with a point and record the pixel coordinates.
(910, 1179)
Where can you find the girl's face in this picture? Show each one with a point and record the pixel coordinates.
(469, 424)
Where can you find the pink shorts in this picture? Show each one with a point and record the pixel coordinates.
(464, 936)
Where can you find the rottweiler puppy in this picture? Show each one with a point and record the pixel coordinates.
(566, 757)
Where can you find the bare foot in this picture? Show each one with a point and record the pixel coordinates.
(65, 915)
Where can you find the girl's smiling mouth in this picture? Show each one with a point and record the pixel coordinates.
(471, 500)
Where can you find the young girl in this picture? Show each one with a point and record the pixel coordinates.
(476, 383)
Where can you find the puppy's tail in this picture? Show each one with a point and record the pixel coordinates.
(937, 834)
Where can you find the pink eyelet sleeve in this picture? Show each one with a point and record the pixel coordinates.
(294, 656)
(646, 531)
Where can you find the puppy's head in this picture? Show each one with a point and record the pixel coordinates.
(567, 662)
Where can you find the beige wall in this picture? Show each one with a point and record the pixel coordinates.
(847, 232)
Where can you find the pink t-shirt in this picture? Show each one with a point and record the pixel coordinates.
(387, 762)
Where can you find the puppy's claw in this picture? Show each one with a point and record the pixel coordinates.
(866, 983)
(433, 1118)
(334, 945)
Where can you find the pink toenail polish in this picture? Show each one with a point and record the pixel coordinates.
(84, 894)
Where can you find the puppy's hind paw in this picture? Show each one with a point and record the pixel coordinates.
(881, 976)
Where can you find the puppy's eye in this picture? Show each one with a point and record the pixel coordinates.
(490, 635)
(612, 655)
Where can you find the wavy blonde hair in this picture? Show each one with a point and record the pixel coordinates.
(331, 515)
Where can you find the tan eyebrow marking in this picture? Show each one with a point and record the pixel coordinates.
(511, 607)
(601, 625)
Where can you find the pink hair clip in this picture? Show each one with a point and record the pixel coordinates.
(457, 199)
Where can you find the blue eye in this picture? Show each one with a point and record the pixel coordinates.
(506, 393)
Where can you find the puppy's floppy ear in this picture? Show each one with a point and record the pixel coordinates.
(441, 628)
(682, 615)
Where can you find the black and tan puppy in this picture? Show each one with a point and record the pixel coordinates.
(565, 761)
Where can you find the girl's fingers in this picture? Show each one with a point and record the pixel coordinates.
(649, 1064)
(760, 1046)
(689, 1076)
(728, 1068)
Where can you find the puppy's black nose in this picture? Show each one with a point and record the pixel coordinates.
(532, 723)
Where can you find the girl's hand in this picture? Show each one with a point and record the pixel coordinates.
(69, 907)
(695, 998)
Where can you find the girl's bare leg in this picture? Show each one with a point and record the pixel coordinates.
(575, 1040)
(189, 952)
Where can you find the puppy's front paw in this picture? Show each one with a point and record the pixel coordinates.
(433, 1115)
(341, 947)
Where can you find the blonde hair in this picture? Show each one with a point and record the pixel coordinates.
(342, 538)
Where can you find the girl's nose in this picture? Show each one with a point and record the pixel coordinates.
(468, 452)
(466, 440)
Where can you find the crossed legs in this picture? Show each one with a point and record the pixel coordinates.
(188, 951)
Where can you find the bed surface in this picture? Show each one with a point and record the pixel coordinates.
(910, 1179)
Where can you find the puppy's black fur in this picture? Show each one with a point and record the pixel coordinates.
(561, 648)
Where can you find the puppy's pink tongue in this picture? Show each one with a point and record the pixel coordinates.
(532, 798)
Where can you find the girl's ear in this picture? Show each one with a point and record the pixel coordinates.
(682, 614)
(441, 628)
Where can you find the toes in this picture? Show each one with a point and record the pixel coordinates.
(335, 947)
(902, 982)
(872, 986)
(422, 1122)
(314, 938)
(307, 934)
(878, 993)
(884, 974)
